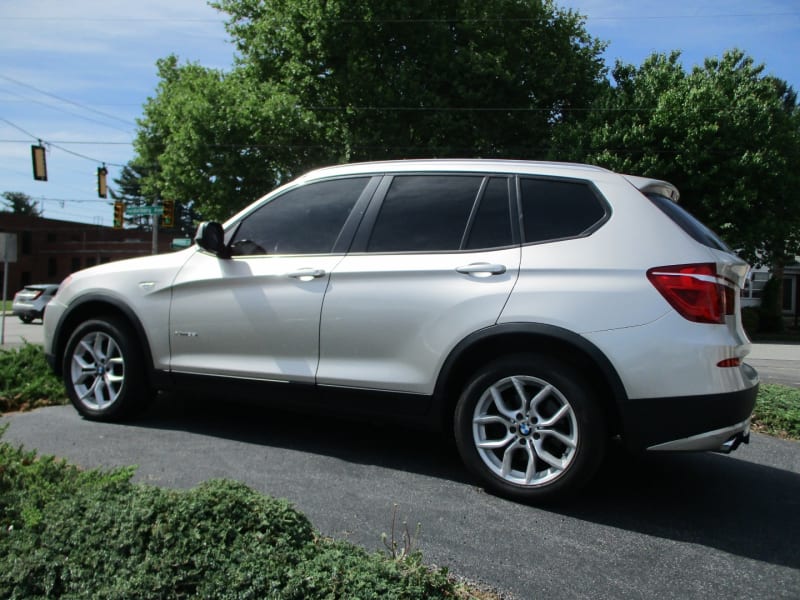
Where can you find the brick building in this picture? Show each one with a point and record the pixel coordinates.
(49, 250)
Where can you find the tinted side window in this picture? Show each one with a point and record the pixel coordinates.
(492, 225)
(554, 209)
(305, 220)
(424, 213)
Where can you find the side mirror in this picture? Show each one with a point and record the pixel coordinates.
(211, 238)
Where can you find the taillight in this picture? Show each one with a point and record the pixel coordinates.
(697, 292)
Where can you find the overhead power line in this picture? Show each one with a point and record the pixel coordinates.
(67, 100)
(57, 145)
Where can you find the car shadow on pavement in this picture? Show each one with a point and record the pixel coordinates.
(707, 499)
(378, 442)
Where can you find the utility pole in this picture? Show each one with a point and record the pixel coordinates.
(155, 234)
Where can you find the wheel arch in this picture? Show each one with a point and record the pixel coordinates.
(92, 307)
(519, 338)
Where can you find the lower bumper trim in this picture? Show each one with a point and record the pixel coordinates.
(723, 440)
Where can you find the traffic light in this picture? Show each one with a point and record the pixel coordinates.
(102, 188)
(119, 214)
(39, 163)
(168, 214)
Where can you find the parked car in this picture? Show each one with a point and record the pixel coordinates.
(536, 310)
(29, 303)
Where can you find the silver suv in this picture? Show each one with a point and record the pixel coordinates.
(536, 310)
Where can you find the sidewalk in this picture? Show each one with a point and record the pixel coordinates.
(775, 352)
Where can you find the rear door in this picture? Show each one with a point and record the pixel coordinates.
(434, 261)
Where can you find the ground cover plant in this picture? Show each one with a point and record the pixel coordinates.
(65, 532)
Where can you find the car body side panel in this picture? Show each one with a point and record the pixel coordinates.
(389, 320)
(248, 316)
(141, 285)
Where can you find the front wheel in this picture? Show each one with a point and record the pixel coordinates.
(529, 428)
(103, 370)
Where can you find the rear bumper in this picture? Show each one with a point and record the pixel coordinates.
(26, 311)
(723, 440)
(690, 423)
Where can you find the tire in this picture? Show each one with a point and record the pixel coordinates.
(103, 370)
(26, 319)
(524, 451)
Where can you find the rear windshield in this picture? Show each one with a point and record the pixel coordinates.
(688, 222)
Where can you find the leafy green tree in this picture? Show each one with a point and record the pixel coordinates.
(725, 133)
(21, 204)
(128, 189)
(345, 80)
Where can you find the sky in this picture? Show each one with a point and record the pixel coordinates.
(76, 74)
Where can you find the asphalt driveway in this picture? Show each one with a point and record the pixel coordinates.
(668, 526)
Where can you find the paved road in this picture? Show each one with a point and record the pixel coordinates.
(676, 526)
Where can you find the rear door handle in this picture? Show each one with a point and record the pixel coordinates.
(482, 269)
(306, 274)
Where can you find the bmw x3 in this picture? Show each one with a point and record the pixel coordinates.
(535, 310)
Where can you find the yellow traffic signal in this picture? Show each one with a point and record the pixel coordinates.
(39, 163)
(119, 214)
(102, 188)
(168, 213)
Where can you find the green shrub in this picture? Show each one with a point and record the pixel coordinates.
(91, 534)
(750, 320)
(26, 381)
(770, 319)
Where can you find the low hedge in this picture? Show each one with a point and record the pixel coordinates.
(67, 533)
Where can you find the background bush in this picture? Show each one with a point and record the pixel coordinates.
(26, 380)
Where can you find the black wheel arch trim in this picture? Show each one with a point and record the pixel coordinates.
(61, 334)
(564, 336)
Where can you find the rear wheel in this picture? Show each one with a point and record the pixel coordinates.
(103, 370)
(529, 428)
(26, 318)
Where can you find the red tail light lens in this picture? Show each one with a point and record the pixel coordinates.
(697, 292)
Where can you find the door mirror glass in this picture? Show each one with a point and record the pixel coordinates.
(211, 238)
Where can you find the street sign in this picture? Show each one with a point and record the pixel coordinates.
(8, 247)
(138, 211)
(8, 254)
(178, 243)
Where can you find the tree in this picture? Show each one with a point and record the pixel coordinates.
(726, 134)
(128, 189)
(346, 80)
(21, 204)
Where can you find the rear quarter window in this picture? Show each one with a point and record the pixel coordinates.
(557, 209)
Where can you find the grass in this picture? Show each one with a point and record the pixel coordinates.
(777, 411)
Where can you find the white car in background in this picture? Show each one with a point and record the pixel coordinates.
(30, 302)
(537, 310)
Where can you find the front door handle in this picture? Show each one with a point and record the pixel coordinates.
(306, 274)
(482, 269)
